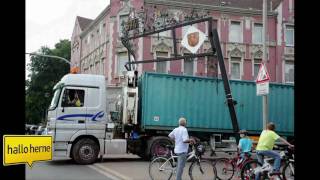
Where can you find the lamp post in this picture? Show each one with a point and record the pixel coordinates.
(73, 70)
(264, 60)
(57, 57)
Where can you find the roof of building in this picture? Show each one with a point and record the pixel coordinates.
(94, 21)
(244, 4)
(83, 22)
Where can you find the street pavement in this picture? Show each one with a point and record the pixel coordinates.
(112, 167)
(63, 169)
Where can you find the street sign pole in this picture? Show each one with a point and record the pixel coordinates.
(264, 38)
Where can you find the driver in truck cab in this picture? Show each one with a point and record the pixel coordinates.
(76, 101)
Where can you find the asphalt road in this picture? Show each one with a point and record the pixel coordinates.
(64, 169)
(117, 167)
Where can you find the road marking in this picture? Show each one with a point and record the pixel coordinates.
(115, 173)
(110, 172)
(103, 172)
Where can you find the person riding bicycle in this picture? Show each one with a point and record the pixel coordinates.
(181, 138)
(245, 145)
(265, 147)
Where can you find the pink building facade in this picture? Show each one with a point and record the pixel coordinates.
(97, 49)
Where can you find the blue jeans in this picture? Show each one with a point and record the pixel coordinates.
(270, 153)
(182, 157)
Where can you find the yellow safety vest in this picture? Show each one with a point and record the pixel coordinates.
(78, 103)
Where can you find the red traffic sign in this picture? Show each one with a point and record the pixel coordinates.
(263, 74)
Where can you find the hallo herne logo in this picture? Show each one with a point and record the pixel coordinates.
(193, 39)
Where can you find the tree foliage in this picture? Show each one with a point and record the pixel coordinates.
(45, 72)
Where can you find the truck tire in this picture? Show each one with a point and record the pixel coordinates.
(85, 151)
(155, 146)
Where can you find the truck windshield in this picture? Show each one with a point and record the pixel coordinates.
(55, 99)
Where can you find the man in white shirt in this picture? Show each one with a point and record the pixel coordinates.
(181, 138)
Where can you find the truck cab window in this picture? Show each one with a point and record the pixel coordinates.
(73, 98)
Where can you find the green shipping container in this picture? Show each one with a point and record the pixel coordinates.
(164, 98)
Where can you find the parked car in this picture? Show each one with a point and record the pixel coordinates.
(39, 130)
(33, 129)
(44, 131)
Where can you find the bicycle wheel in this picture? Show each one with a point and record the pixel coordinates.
(288, 171)
(225, 169)
(248, 170)
(160, 169)
(203, 170)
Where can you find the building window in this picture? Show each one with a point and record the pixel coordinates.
(214, 26)
(212, 66)
(102, 66)
(82, 66)
(122, 60)
(161, 67)
(235, 68)
(188, 65)
(235, 32)
(91, 69)
(86, 66)
(97, 66)
(289, 35)
(100, 28)
(289, 72)
(256, 67)
(257, 34)
(290, 6)
(122, 19)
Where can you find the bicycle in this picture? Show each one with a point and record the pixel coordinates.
(165, 167)
(288, 169)
(226, 167)
(253, 168)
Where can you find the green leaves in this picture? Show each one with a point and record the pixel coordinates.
(45, 72)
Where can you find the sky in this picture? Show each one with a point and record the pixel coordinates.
(48, 21)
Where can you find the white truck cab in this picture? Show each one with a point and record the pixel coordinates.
(78, 118)
(78, 124)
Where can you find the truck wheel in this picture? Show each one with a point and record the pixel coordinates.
(158, 148)
(85, 151)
